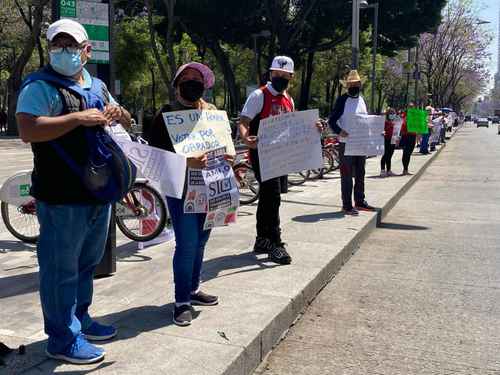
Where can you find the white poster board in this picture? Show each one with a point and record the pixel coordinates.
(365, 135)
(165, 171)
(195, 132)
(396, 133)
(289, 143)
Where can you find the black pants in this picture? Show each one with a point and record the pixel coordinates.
(352, 166)
(408, 142)
(387, 158)
(268, 208)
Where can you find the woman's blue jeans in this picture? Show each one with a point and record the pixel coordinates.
(70, 246)
(190, 241)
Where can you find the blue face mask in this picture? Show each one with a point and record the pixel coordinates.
(66, 63)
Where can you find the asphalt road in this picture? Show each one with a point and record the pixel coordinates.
(422, 294)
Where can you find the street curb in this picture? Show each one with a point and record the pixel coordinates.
(277, 329)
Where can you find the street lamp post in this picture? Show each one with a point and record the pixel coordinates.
(355, 33)
(375, 7)
(263, 34)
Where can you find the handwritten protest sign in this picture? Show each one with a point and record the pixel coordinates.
(416, 121)
(213, 190)
(195, 132)
(365, 135)
(398, 123)
(223, 194)
(289, 143)
(165, 171)
(436, 130)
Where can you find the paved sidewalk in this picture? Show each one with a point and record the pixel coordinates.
(421, 296)
(259, 300)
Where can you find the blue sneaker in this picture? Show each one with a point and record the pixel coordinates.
(80, 352)
(99, 332)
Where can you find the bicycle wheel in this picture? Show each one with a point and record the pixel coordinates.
(336, 159)
(296, 179)
(21, 221)
(248, 185)
(141, 215)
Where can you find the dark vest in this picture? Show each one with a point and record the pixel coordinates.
(53, 181)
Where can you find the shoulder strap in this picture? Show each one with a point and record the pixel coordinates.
(45, 75)
(49, 76)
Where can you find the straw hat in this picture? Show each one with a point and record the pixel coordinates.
(352, 77)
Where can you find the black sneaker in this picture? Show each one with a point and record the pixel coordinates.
(263, 245)
(350, 212)
(183, 315)
(280, 255)
(364, 207)
(204, 299)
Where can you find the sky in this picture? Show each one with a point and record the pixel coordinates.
(490, 12)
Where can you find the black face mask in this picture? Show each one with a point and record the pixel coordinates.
(191, 90)
(280, 84)
(353, 91)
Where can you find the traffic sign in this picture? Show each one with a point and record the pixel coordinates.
(94, 16)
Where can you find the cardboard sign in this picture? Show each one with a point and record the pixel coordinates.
(366, 136)
(195, 132)
(289, 143)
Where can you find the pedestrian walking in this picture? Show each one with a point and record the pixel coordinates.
(73, 221)
(269, 100)
(407, 143)
(386, 161)
(350, 166)
(190, 82)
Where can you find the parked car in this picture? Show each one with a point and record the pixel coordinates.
(495, 120)
(483, 121)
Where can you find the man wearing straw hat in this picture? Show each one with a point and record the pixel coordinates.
(350, 166)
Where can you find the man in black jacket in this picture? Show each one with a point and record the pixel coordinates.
(350, 166)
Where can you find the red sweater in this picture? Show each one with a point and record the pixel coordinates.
(389, 129)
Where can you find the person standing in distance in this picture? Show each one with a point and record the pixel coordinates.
(269, 100)
(350, 166)
(73, 223)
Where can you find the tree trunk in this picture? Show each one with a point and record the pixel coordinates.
(156, 52)
(305, 91)
(169, 43)
(16, 74)
(227, 70)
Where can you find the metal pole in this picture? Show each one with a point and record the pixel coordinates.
(107, 266)
(374, 62)
(355, 34)
(417, 74)
(407, 80)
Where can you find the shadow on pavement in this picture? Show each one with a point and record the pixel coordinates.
(18, 284)
(213, 267)
(11, 245)
(319, 217)
(395, 226)
(307, 203)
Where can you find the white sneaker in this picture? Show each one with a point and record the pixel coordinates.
(389, 174)
(383, 174)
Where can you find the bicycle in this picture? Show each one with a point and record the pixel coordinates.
(331, 157)
(141, 215)
(248, 185)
